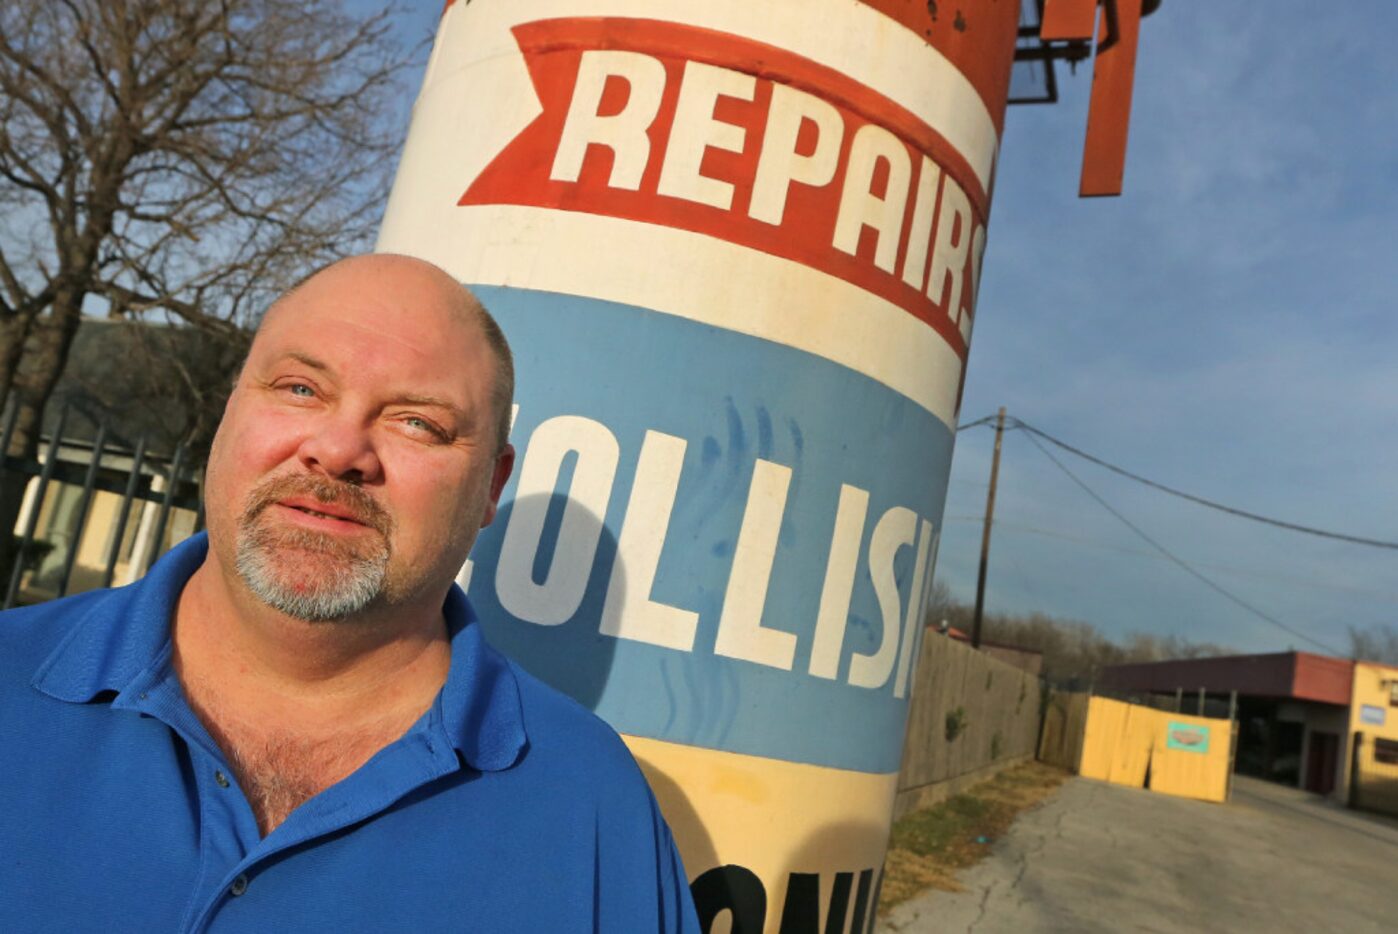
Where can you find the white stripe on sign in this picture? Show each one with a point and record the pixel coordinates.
(847, 36)
(692, 276)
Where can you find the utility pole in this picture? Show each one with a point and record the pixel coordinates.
(985, 537)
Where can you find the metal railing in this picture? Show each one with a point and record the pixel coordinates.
(129, 470)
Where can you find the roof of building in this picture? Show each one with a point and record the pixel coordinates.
(1282, 675)
(141, 378)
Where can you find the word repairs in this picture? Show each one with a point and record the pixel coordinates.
(750, 144)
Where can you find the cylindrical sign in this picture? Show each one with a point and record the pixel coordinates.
(735, 246)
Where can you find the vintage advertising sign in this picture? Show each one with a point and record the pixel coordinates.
(736, 248)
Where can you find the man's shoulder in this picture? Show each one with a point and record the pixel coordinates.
(567, 737)
(29, 635)
(584, 806)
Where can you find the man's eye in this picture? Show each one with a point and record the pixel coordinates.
(422, 425)
(302, 390)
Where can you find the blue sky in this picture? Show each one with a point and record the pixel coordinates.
(1225, 327)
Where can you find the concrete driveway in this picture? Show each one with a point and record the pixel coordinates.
(1099, 857)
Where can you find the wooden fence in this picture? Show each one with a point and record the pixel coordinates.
(971, 715)
(1065, 724)
(1171, 753)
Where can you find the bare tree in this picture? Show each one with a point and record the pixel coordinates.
(180, 160)
(1074, 651)
(1377, 643)
(939, 604)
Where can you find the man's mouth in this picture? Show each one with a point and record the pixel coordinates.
(319, 504)
(330, 512)
(324, 512)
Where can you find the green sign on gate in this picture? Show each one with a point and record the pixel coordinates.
(1187, 737)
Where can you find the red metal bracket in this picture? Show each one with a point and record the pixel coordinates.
(1113, 76)
(1067, 19)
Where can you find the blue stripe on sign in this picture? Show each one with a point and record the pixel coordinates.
(723, 410)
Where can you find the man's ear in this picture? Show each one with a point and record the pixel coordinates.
(504, 466)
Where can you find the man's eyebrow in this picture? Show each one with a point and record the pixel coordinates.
(308, 360)
(432, 401)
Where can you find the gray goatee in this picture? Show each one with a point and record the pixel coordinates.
(309, 575)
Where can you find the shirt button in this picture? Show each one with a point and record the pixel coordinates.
(240, 885)
(222, 783)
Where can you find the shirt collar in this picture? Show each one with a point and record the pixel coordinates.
(123, 633)
(126, 632)
(480, 703)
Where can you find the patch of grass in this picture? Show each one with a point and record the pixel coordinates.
(928, 848)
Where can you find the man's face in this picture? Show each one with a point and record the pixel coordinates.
(356, 459)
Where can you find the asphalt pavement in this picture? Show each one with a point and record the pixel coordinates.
(1099, 857)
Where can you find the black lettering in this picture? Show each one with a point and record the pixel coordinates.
(873, 906)
(733, 889)
(839, 903)
(740, 892)
(801, 913)
(861, 901)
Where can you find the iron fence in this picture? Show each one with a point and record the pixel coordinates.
(54, 553)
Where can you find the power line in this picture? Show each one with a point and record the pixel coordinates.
(977, 423)
(1184, 565)
(1284, 577)
(1212, 504)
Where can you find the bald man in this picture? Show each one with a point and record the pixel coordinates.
(293, 723)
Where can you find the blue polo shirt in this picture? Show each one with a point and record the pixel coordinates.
(507, 807)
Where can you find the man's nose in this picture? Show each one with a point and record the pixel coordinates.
(342, 448)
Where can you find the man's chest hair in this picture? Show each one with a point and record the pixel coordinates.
(281, 766)
(279, 771)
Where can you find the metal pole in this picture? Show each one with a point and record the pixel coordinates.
(1179, 700)
(985, 537)
(45, 475)
(1354, 785)
(89, 483)
(1201, 702)
(1232, 758)
(164, 515)
(199, 511)
(132, 482)
(1233, 705)
(10, 419)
